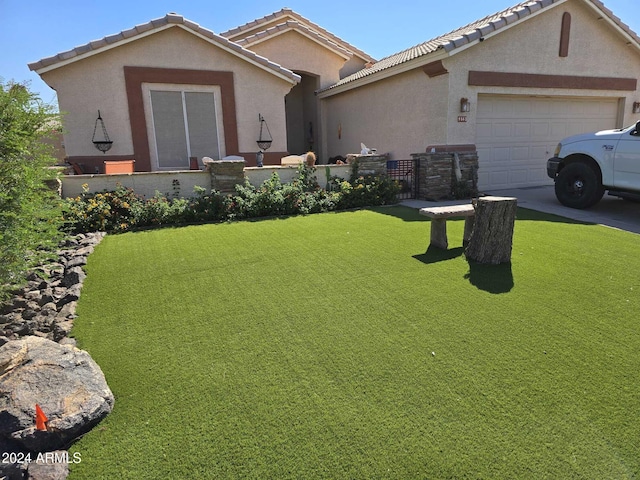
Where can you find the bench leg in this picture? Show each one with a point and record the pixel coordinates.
(439, 233)
(468, 229)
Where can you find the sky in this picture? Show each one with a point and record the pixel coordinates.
(34, 29)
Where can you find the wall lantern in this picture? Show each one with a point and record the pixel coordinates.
(102, 143)
(465, 105)
(636, 107)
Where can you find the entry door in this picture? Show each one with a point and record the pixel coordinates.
(184, 124)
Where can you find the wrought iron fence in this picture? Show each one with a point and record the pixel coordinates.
(405, 172)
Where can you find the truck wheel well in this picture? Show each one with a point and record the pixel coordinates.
(586, 159)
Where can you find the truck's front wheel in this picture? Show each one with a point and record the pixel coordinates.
(578, 186)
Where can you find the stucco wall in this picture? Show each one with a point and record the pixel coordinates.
(409, 111)
(595, 50)
(296, 52)
(181, 183)
(98, 82)
(400, 115)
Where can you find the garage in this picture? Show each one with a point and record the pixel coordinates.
(515, 134)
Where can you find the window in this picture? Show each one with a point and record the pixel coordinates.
(183, 121)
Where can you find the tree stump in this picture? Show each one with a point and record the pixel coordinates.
(492, 236)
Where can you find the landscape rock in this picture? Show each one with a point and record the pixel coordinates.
(65, 381)
(49, 466)
(73, 276)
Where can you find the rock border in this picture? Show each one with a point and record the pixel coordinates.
(46, 307)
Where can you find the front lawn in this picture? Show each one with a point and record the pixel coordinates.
(335, 346)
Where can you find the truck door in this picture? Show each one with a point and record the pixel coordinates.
(627, 160)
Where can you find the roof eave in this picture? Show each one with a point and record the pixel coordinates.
(418, 62)
(607, 15)
(58, 61)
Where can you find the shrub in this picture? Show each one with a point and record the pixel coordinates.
(115, 211)
(122, 210)
(29, 211)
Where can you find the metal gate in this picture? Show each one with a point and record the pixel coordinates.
(405, 172)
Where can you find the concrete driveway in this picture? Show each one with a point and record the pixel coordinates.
(610, 211)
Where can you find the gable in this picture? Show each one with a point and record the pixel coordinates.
(170, 21)
(303, 55)
(445, 46)
(259, 29)
(591, 49)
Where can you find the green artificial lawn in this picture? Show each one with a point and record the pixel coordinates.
(337, 346)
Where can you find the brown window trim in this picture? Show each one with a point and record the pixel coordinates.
(565, 32)
(534, 80)
(134, 78)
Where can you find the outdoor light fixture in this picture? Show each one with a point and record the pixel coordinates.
(465, 105)
(104, 143)
(636, 107)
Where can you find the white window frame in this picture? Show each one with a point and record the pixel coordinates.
(183, 88)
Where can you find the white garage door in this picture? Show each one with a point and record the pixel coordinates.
(516, 134)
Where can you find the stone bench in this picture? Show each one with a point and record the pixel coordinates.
(439, 216)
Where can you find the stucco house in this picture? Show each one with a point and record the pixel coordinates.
(170, 89)
(508, 87)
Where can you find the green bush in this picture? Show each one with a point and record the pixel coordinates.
(115, 211)
(123, 210)
(29, 210)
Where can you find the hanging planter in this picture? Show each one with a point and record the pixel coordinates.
(104, 143)
(264, 139)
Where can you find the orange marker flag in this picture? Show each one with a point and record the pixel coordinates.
(41, 419)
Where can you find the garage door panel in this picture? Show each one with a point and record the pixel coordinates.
(500, 179)
(484, 131)
(520, 153)
(516, 135)
(502, 130)
(521, 129)
(540, 130)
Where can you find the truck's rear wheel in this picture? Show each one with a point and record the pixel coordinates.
(578, 186)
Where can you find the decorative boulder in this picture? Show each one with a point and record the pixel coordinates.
(64, 381)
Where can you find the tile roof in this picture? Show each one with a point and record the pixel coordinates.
(247, 42)
(469, 33)
(168, 21)
(307, 24)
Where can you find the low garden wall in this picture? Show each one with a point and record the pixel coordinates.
(221, 176)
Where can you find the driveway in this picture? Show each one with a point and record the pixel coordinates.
(610, 211)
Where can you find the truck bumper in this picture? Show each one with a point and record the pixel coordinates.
(553, 164)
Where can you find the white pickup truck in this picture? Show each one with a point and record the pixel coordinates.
(585, 166)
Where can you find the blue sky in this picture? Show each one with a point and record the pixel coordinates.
(35, 29)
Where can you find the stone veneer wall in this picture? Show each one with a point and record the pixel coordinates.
(225, 174)
(437, 177)
(370, 164)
